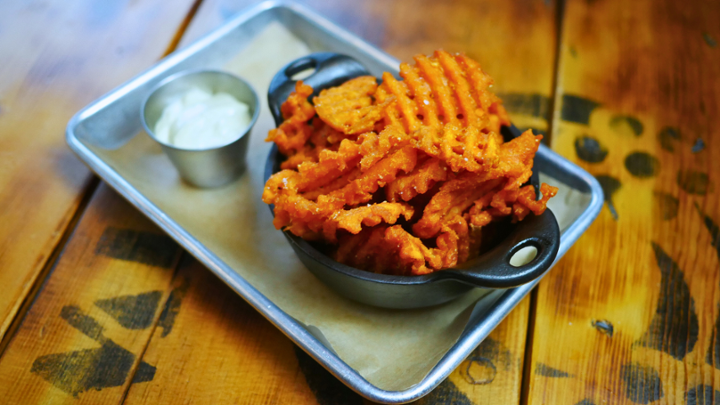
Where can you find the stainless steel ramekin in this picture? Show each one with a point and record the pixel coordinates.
(209, 167)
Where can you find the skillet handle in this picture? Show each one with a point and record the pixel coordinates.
(493, 269)
(331, 69)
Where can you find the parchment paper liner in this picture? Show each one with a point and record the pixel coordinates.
(392, 349)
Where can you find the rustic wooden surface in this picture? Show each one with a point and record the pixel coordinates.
(631, 314)
(116, 313)
(84, 336)
(79, 338)
(56, 58)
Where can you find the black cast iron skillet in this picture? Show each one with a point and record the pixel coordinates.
(492, 269)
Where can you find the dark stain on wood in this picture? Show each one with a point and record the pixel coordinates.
(144, 373)
(478, 370)
(590, 150)
(585, 401)
(609, 185)
(667, 137)
(698, 146)
(573, 52)
(142, 247)
(84, 323)
(713, 353)
(547, 371)
(674, 327)
(642, 383)
(618, 121)
(667, 205)
(702, 395)
(132, 311)
(536, 105)
(642, 165)
(495, 351)
(577, 109)
(604, 326)
(328, 390)
(709, 40)
(446, 393)
(481, 366)
(713, 228)
(82, 370)
(172, 308)
(693, 182)
(78, 371)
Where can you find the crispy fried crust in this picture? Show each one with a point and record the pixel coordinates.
(402, 177)
(349, 108)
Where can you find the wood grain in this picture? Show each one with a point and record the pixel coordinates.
(220, 350)
(514, 41)
(82, 339)
(493, 372)
(58, 56)
(631, 314)
(199, 329)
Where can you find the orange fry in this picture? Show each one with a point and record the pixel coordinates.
(417, 182)
(349, 107)
(403, 177)
(353, 219)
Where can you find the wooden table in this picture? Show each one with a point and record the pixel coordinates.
(99, 306)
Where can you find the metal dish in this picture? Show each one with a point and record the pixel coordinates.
(490, 270)
(112, 120)
(203, 167)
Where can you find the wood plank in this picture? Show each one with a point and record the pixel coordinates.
(58, 56)
(82, 339)
(251, 361)
(220, 350)
(23, 350)
(514, 41)
(493, 373)
(631, 314)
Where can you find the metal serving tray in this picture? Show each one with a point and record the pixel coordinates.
(114, 119)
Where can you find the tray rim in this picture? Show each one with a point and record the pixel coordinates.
(293, 329)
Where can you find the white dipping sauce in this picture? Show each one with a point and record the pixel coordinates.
(201, 120)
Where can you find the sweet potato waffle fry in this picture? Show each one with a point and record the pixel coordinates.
(400, 178)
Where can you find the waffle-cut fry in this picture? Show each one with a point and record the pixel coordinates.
(417, 182)
(419, 258)
(402, 177)
(407, 110)
(421, 92)
(360, 191)
(308, 153)
(455, 196)
(349, 107)
(329, 166)
(454, 242)
(282, 188)
(336, 184)
(389, 250)
(352, 220)
(368, 250)
(292, 134)
(374, 147)
(526, 199)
